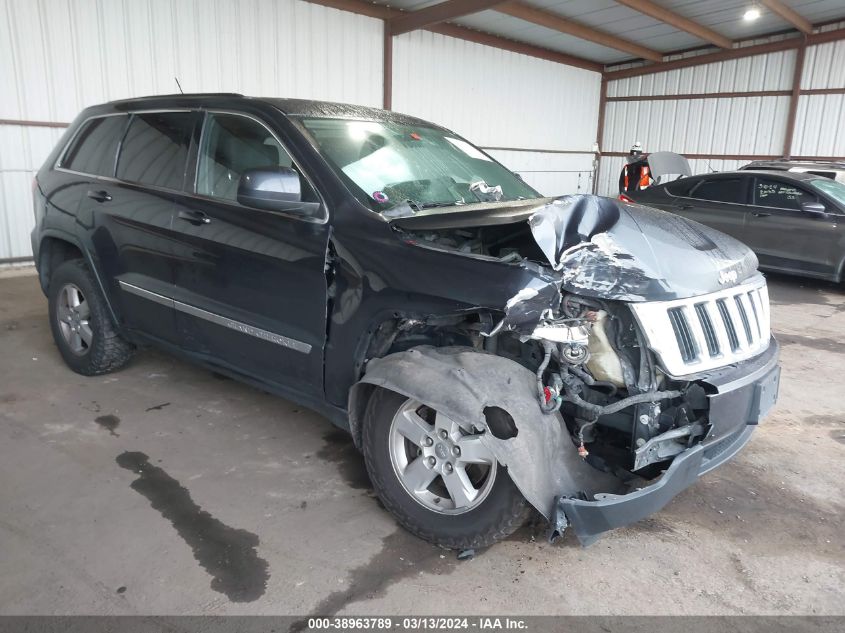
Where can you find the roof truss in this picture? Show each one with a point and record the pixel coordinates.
(582, 31)
(790, 15)
(437, 13)
(652, 10)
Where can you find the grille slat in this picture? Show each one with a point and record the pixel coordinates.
(709, 331)
(743, 316)
(753, 298)
(689, 349)
(728, 323)
(707, 328)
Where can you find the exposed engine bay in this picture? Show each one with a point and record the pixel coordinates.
(622, 412)
(588, 352)
(601, 351)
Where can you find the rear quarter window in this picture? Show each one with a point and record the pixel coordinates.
(682, 187)
(94, 148)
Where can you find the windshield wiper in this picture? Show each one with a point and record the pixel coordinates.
(419, 206)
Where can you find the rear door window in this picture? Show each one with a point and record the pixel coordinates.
(155, 149)
(94, 149)
(731, 190)
(780, 195)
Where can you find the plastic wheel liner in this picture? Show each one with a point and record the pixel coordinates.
(461, 383)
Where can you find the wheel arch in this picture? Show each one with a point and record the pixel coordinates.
(840, 273)
(395, 331)
(464, 383)
(57, 247)
(53, 251)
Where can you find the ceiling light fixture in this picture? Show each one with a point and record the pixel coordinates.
(752, 13)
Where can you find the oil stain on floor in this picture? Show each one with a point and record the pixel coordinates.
(402, 555)
(109, 422)
(228, 554)
(340, 450)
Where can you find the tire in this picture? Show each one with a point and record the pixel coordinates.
(499, 508)
(85, 336)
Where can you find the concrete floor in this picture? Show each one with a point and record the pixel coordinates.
(99, 477)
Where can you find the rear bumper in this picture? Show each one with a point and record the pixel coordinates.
(743, 395)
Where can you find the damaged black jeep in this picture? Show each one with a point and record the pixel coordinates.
(490, 350)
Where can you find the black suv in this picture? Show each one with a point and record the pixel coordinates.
(488, 349)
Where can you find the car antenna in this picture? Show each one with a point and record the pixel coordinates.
(179, 85)
(709, 166)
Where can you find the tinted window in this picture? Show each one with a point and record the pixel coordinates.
(233, 144)
(721, 190)
(783, 195)
(155, 149)
(682, 187)
(93, 150)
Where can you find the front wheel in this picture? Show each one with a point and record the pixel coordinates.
(440, 482)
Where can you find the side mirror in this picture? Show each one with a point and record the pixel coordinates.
(270, 188)
(816, 209)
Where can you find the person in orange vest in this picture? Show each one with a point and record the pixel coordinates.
(636, 174)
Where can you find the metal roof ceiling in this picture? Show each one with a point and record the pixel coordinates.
(722, 16)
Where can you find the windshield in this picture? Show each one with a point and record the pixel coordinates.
(833, 188)
(387, 164)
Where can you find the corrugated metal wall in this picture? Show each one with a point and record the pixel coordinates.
(537, 117)
(820, 120)
(59, 56)
(739, 125)
(496, 98)
(718, 126)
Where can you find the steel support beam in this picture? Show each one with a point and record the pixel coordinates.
(437, 13)
(789, 14)
(646, 7)
(793, 100)
(570, 27)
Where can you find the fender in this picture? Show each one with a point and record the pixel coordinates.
(90, 259)
(464, 384)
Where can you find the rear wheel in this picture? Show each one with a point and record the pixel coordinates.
(80, 323)
(440, 481)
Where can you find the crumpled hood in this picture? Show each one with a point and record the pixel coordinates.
(610, 249)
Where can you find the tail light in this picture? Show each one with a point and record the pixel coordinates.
(625, 198)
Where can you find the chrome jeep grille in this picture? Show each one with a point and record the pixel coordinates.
(701, 333)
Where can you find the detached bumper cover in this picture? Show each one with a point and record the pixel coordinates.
(744, 395)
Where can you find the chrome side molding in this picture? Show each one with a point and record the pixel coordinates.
(239, 326)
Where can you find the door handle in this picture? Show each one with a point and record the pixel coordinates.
(684, 207)
(760, 214)
(99, 195)
(194, 217)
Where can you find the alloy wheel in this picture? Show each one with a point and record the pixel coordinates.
(441, 466)
(73, 314)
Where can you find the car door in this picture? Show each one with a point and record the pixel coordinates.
(129, 217)
(719, 201)
(250, 283)
(787, 238)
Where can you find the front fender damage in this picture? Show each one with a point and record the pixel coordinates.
(462, 383)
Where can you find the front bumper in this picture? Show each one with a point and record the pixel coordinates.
(742, 395)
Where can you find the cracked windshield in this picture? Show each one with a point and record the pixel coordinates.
(414, 167)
